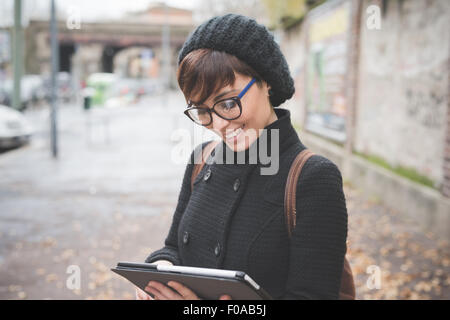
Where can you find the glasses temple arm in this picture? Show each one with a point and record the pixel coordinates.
(246, 88)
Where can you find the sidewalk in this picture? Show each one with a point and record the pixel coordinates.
(111, 196)
(412, 265)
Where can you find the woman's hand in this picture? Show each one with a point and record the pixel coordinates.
(174, 291)
(142, 295)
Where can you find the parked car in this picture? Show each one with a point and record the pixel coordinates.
(35, 88)
(31, 88)
(14, 128)
(5, 99)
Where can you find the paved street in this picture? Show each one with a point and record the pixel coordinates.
(108, 197)
(111, 194)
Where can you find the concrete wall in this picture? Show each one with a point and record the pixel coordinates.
(294, 49)
(401, 98)
(414, 202)
(399, 107)
(403, 86)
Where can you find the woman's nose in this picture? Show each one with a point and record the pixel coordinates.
(218, 123)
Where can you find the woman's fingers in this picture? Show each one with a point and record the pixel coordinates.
(142, 295)
(179, 292)
(138, 294)
(185, 292)
(156, 294)
(162, 292)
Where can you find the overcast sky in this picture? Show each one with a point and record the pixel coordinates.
(89, 9)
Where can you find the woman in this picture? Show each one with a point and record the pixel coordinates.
(233, 75)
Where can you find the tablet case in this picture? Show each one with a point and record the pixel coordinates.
(210, 287)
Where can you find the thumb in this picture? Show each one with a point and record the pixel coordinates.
(225, 297)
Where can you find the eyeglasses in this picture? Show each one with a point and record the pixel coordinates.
(228, 109)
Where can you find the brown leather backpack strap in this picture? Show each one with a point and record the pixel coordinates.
(347, 289)
(290, 210)
(199, 163)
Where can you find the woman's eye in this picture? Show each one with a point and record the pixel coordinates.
(227, 104)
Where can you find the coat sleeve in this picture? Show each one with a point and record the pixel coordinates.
(170, 250)
(318, 243)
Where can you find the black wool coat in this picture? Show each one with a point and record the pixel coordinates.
(234, 219)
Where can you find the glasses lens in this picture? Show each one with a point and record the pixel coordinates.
(200, 116)
(228, 109)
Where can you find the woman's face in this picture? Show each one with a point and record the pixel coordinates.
(257, 113)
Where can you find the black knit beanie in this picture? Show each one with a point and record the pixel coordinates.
(252, 43)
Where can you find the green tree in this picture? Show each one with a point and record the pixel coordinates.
(286, 13)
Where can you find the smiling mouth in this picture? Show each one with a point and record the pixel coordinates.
(234, 133)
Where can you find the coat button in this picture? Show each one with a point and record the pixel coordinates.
(236, 184)
(217, 249)
(186, 237)
(207, 175)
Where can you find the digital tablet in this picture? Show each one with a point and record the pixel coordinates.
(207, 283)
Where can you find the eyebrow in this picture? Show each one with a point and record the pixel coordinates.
(216, 98)
(223, 94)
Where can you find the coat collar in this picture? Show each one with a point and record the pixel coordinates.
(286, 137)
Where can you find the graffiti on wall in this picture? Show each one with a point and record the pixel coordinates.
(326, 100)
(425, 61)
(426, 100)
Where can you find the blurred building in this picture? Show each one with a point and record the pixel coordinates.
(130, 46)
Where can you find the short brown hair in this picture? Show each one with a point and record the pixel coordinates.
(205, 71)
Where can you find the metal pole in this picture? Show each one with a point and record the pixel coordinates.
(166, 46)
(166, 52)
(17, 54)
(166, 55)
(54, 80)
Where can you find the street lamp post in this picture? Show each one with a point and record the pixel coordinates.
(166, 47)
(17, 54)
(54, 80)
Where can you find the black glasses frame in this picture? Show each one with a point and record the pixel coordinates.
(237, 99)
(211, 110)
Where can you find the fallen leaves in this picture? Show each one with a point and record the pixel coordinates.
(40, 271)
(52, 277)
(65, 256)
(49, 242)
(14, 288)
(414, 265)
